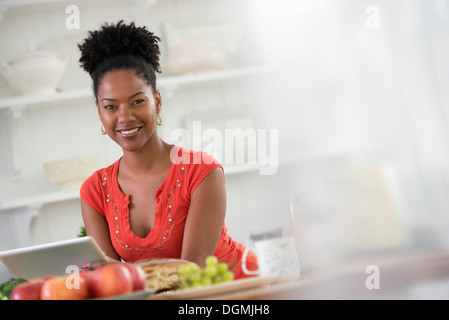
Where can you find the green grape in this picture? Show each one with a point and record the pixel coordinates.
(211, 261)
(206, 281)
(228, 276)
(217, 279)
(184, 270)
(192, 267)
(195, 277)
(210, 271)
(192, 276)
(222, 268)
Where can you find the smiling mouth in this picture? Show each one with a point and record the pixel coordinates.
(129, 132)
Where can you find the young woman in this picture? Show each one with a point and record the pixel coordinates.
(157, 200)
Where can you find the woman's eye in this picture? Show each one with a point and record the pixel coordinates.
(110, 106)
(137, 101)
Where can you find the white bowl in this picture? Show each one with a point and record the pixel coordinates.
(35, 72)
(70, 173)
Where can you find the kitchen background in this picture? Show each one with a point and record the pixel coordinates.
(355, 90)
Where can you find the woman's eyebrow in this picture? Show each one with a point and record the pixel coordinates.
(132, 96)
(135, 94)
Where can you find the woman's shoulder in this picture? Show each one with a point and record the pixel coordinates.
(186, 156)
(98, 177)
(193, 166)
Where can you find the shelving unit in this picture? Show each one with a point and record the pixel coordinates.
(18, 104)
(6, 4)
(34, 203)
(171, 83)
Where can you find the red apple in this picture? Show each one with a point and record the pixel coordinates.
(30, 290)
(86, 275)
(110, 280)
(137, 274)
(66, 288)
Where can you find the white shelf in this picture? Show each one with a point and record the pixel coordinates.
(19, 103)
(16, 3)
(204, 77)
(35, 99)
(6, 4)
(16, 105)
(37, 201)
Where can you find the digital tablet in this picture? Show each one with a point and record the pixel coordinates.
(51, 258)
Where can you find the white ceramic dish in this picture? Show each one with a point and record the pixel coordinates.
(35, 72)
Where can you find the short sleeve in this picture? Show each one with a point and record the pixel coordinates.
(91, 192)
(198, 171)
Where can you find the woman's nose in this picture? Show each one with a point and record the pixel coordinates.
(125, 114)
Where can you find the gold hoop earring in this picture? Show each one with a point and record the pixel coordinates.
(159, 120)
(102, 130)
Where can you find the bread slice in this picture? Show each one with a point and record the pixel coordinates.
(162, 273)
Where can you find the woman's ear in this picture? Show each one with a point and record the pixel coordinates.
(158, 101)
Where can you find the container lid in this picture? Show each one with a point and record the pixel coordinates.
(32, 54)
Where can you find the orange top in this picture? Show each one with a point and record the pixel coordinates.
(101, 192)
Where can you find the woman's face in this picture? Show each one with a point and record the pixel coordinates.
(127, 108)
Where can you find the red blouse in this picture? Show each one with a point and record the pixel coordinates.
(102, 193)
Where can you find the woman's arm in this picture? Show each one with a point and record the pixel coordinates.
(97, 228)
(205, 218)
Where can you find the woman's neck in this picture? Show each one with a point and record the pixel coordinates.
(147, 160)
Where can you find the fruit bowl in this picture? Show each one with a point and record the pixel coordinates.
(70, 174)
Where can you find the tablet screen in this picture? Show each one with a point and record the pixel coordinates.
(51, 258)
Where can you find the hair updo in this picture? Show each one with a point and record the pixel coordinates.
(119, 47)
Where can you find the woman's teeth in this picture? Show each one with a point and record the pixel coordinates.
(130, 131)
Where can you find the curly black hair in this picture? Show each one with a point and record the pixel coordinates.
(120, 46)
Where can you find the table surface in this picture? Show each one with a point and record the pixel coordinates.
(404, 275)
